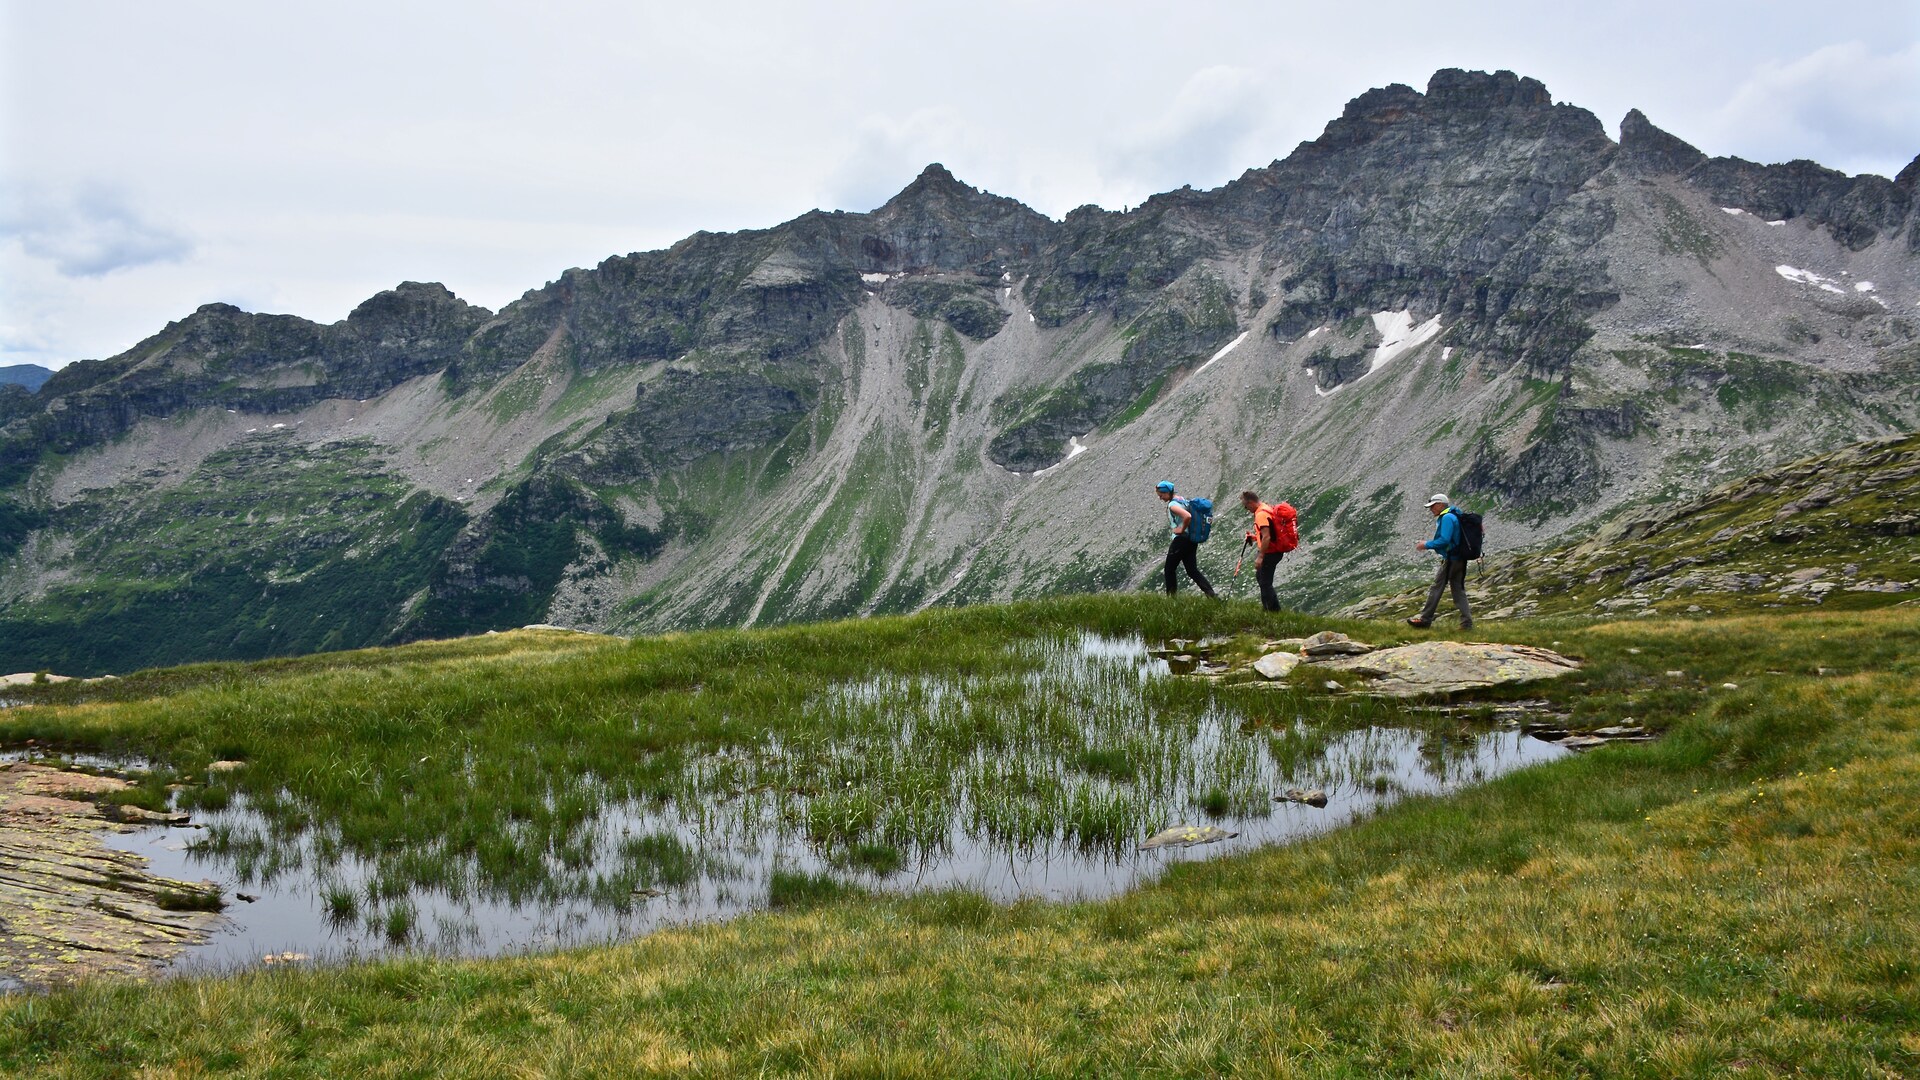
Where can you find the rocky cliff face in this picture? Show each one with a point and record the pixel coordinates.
(953, 397)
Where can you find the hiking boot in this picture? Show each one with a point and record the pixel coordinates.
(1419, 622)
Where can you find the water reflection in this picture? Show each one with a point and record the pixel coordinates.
(1036, 782)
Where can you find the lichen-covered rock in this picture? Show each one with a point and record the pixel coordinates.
(1445, 667)
(71, 906)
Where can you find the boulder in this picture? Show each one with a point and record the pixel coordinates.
(1186, 836)
(1333, 643)
(1446, 667)
(1315, 798)
(1277, 665)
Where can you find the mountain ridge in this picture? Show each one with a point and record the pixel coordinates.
(854, 412)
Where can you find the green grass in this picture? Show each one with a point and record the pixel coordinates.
(1821, 532)
(1738, 898)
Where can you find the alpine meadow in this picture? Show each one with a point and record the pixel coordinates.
(749, 658)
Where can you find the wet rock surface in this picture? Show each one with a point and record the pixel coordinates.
(1186, 836)
(69, 905)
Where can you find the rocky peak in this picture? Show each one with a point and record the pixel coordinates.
(1499, 100)
(1909, 177)
(1454, 89)
(938, 222)
(412, 308)
(1646, 150)
(934, 186)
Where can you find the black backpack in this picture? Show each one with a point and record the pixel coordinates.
(1471, 536)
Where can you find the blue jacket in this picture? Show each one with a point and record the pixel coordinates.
(1446, 533)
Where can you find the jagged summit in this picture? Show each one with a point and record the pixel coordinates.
(1646, 149)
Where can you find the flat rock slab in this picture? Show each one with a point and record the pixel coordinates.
(69, 905)
(1446, 667)
(1186, 836)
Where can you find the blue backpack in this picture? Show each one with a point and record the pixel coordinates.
(1201, 525)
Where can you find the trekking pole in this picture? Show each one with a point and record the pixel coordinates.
(1244, 545)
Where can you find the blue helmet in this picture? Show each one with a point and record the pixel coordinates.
(1164, 485)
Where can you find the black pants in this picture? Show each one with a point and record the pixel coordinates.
(1180, 553)
(1452, 572)
(1263, 573)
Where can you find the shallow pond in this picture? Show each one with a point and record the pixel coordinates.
(1040, 781)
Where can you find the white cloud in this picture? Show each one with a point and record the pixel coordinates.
(1843, 105)
(1200, 136)
(888, 152)
(89, 231)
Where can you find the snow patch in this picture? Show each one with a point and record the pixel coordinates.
(1780, 222)
(1074, 449)
(1316, 331)
(1808, 277)
(1227, 348)
(1030, 317)
(1398, 336)
(1734, 210)
(1317, 392)
(874, 279)
(1863, 286)
(1446, 353)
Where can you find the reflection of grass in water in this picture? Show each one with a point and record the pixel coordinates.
(487, 767)
(881, 859)
(794, 889)
(399, 922)
(659, 859)
(341, 905)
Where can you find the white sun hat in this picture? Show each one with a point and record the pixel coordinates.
(1440, 500)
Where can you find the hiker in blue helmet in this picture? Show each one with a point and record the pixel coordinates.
(1182, 550)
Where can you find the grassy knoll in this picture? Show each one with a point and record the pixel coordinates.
(1741, 897)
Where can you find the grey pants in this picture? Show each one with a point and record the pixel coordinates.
(1452, 572)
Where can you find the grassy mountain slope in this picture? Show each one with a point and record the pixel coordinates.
(1736, 897)
(1837, 530)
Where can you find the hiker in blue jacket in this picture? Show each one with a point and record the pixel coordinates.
(1182, 550)
(1453, 564)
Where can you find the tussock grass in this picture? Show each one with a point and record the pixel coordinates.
(1738, 898)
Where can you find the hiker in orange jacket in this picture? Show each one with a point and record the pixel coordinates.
(1275, 534)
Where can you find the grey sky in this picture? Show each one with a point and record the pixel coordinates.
(299, 157)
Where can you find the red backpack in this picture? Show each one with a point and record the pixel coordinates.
(1286, 535)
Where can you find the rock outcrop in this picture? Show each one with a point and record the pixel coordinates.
(72, 906)
(1450, 667)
